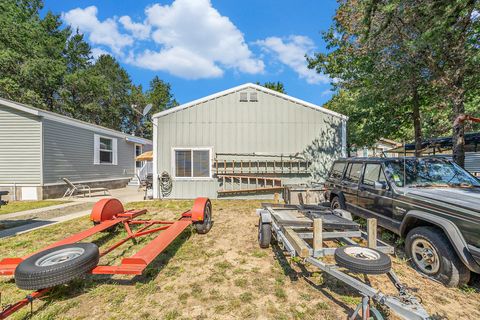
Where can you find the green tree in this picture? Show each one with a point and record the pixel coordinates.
(409, 59)
(31, 53)
(160, 95)
(276, 86)
(45, 65)
(453, 39)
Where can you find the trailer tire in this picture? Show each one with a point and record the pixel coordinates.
(56, 266)
(264, 234)
(363, 260)
(205, 226)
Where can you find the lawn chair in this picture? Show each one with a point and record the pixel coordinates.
(81, 188)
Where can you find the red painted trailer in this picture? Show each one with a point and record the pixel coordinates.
(106, 215)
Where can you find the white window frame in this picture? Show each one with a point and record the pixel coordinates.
(135, 155)
(96, 150)
(174, 169)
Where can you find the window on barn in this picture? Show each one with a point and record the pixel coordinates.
(192, 163)
(105, 150)
(243, 97)
(253, 97)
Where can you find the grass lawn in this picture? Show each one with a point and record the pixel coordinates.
(220, 275)
(16, 206)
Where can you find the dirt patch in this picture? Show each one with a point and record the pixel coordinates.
(220, 275)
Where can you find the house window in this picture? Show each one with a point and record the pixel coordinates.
(105, 150)
(138, 151)
(192, 163)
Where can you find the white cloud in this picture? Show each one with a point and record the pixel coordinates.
(200, 41)
(139, 30)
(99, 32)
(177, 61)
(291, 51)
(97, 52)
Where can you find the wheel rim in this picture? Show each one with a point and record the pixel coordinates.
(362, 253)
(335, 205)
(60, 256)
(425, 256)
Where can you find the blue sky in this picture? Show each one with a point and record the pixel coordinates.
(201, 47)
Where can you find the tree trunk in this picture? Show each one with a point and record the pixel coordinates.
(417, 125)
(458, 138)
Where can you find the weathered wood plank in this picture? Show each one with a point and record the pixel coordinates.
(298, 243)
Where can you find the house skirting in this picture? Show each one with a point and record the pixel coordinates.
(26, 192)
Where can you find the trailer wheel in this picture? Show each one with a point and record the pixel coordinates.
(264, 234)
(205, 226)
(56, 266)
(363, 260)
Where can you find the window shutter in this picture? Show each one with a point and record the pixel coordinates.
(114, 149)
(96, 149)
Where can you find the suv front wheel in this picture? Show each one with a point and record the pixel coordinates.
(432, 254)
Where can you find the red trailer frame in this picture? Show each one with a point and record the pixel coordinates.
(106, 214)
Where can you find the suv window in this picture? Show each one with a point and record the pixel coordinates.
(373, 173)
(337, 170)
(353, 172)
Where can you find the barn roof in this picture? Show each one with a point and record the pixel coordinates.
(251, 86)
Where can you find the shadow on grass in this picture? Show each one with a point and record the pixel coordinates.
(305, 274)
(78, 287)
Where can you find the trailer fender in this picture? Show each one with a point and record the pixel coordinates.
(106, 209)
(198, 209)
(450, 229)
(264, 215)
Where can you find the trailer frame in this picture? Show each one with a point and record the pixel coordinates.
(106, 215)
(404, 304)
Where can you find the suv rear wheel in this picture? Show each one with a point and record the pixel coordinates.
(432, 254)
(336, 203)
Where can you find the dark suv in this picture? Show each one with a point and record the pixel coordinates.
(431, 202)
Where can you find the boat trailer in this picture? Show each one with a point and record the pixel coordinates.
(308, 232)
(68, 259)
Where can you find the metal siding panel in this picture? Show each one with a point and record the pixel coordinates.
(69, 153)
(472, 161)
(20, 147)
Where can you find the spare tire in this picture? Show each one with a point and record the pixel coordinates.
(363, 260)
(56, 266)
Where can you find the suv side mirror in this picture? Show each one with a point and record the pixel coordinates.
(380, 185)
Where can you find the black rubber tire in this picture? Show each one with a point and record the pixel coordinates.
(379, 266)
(264, 234)
(30, 276)
(337, 203)
(205, 226)
(452, 271)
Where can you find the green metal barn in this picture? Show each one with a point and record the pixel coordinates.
(247, 141)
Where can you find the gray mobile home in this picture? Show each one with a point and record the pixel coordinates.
(247, 141)
(38, 148)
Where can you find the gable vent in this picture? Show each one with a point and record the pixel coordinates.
(243, 97)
